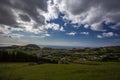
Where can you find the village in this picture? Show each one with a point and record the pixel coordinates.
(62, 56)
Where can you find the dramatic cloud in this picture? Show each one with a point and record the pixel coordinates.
(37, 18)
(22, 15)
(90, 12)
(31, 15)
(27, 15)
(26, 6)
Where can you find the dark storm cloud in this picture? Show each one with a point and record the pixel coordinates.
(25, 18)
(107, 6)
(110, 5)
(79, 6)
(27, 6)
(6, 16)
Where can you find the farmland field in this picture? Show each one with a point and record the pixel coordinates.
(83, 71)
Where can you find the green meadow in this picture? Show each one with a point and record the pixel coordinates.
(82, 71)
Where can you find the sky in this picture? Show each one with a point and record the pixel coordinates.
(85, 23)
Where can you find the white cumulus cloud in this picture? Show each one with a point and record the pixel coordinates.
(85, 33)
(71, 33)
(107, 34)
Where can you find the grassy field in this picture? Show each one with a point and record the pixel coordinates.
(84, 71)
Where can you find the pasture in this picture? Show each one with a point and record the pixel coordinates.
(83, 71)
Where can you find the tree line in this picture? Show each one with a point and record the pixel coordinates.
(19, 56)
(16, 56)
